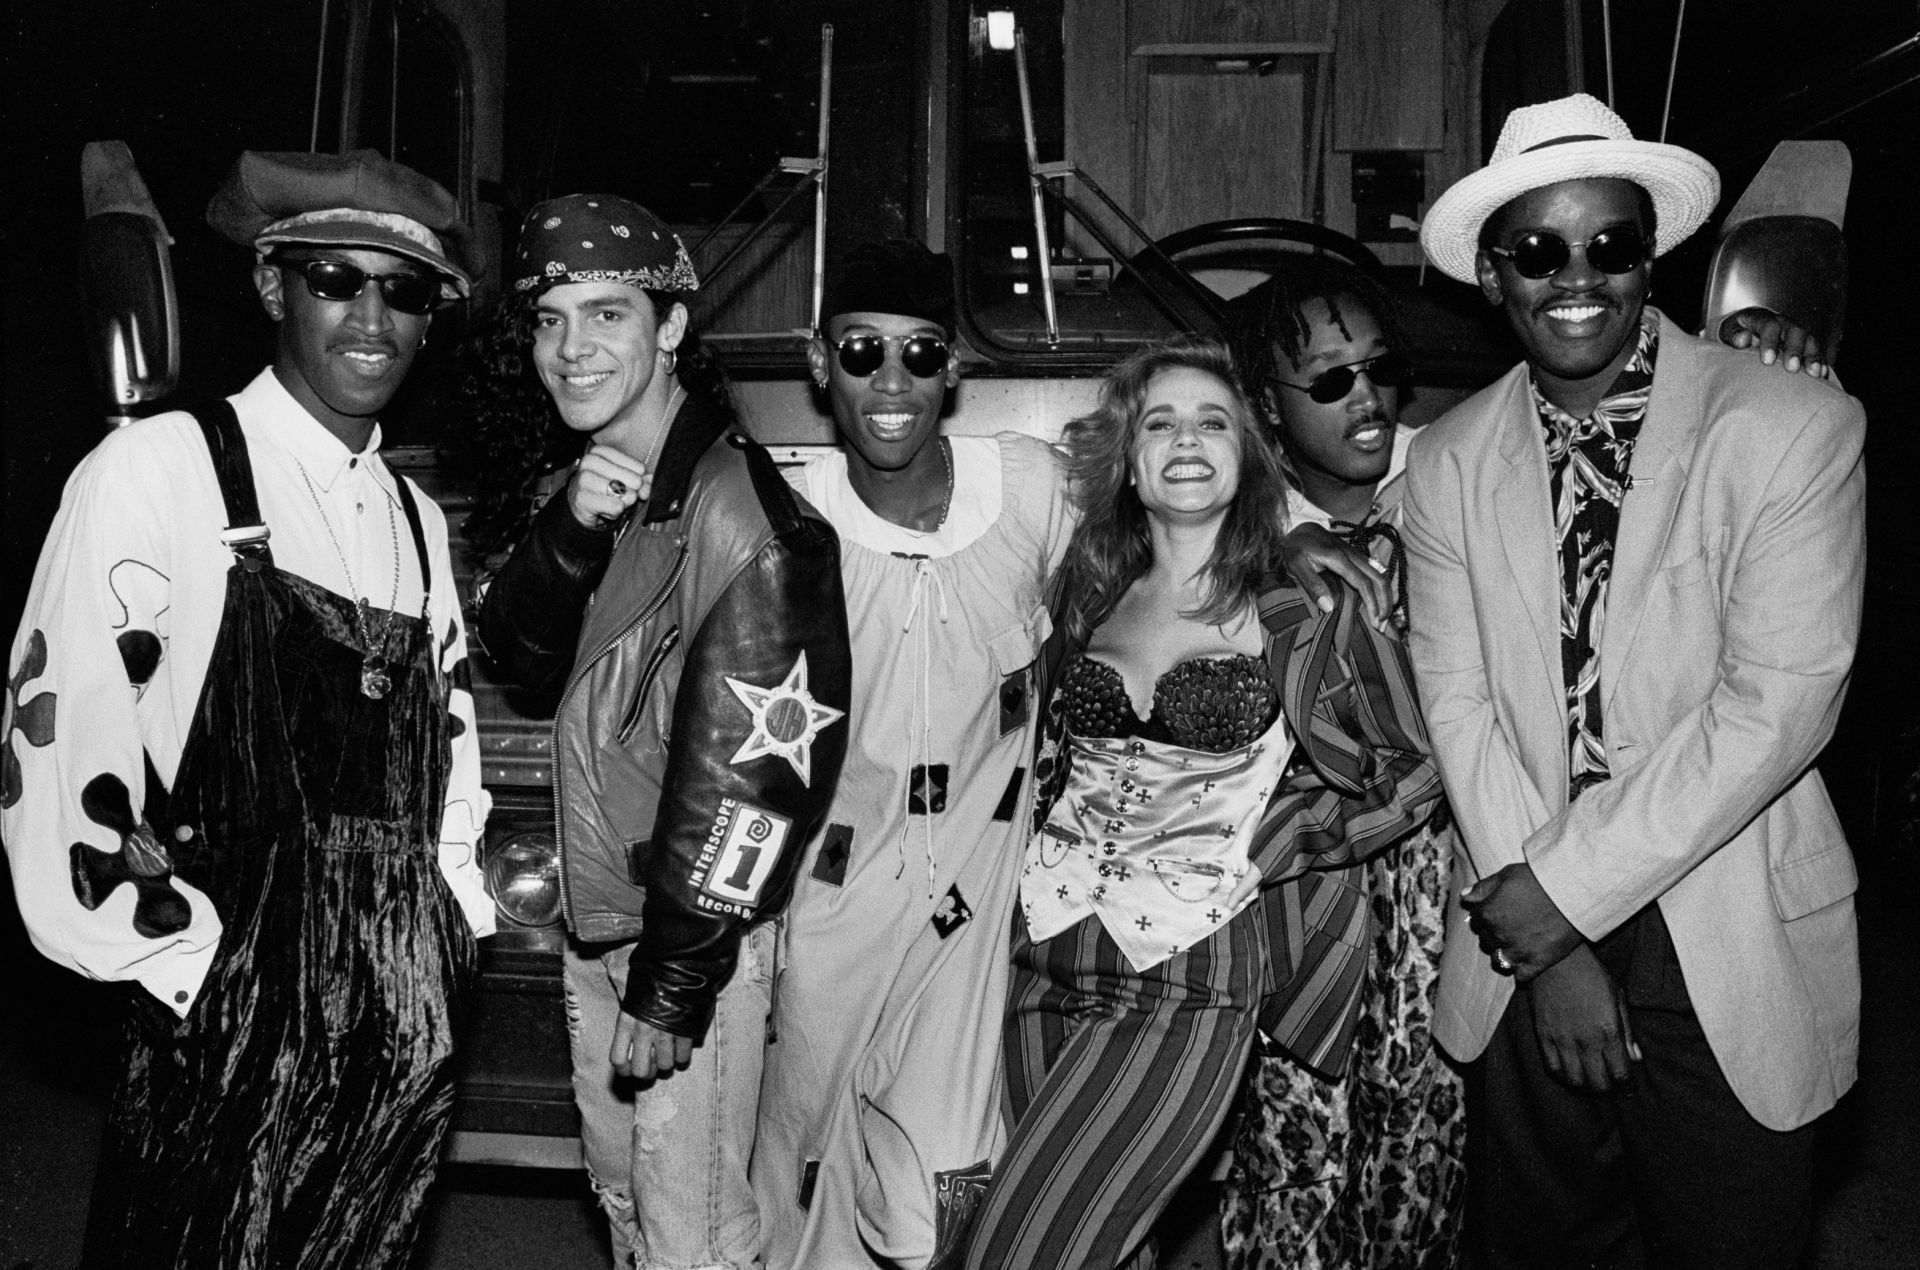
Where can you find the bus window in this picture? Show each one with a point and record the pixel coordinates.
(410, 91)
(1204, 125)
(686, 108)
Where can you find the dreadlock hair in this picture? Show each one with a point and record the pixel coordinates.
(1270, 317)
(507, 435)
(1111, 548)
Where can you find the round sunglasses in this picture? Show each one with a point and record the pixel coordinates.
(1542, 253)
(924, 356)
(414, 293)
(1388, 370)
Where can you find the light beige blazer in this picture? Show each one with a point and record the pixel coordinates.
(1730, 627)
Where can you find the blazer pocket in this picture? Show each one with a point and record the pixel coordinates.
(1810, 883)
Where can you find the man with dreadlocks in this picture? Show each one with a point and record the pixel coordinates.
(1384, 1183)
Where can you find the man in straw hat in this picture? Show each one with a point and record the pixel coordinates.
(242, 774)
(1635, 570)
(691, 605)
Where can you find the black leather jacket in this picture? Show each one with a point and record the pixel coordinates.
(691, 763)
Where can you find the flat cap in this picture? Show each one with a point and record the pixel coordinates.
(358, 199)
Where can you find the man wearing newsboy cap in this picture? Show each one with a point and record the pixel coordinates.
(1635, 568)
(243, 777)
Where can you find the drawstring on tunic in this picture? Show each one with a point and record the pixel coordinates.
(925, 578)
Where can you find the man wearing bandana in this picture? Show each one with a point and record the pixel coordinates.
(880, 1112)
(241, 771)
(690, 605)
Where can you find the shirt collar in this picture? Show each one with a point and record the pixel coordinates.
(1625, 397)
(282, 423)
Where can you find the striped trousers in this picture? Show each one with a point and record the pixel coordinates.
(1118, 1082)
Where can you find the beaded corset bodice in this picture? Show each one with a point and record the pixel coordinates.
(1214, 704)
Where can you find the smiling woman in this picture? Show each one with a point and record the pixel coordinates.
(1168, 806)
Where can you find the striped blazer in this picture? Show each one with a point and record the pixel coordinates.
(1361, 780)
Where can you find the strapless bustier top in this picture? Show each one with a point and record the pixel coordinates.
(1148, 836)
(1214, 704)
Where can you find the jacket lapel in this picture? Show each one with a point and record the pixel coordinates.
(1522, 511)
(1659, 474)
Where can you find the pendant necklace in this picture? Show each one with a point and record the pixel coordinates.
(946, 504)
(374, 680)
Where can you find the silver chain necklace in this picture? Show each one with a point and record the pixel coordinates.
(946, 504)
(374, 680)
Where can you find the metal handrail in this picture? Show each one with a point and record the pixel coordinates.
(812, 173)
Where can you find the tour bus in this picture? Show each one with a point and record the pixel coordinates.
(1103, 174)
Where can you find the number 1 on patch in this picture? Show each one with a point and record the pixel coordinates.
(747, 855)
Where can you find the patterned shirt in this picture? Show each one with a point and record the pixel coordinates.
(114, 647)
(1587, 463)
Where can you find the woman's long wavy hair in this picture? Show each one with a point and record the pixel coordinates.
(507, 436)
(1111, 548)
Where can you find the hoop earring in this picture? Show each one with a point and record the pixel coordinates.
(673, 359)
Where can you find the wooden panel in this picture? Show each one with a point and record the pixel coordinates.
(1225, 21)
(768, 288)
(1099, 119)
(1217, 146)
(1388, 75)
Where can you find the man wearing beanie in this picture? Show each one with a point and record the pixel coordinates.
(1635, 571)
(243, 775)
(880, 1111)
(690, 606)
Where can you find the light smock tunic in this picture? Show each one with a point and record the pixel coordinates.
(881, 1099)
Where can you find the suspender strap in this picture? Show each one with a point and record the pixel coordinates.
(412, 508)
(246, 534)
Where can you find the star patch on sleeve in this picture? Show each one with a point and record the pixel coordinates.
(786, 719)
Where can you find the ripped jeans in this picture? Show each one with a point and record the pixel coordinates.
(668, 1160)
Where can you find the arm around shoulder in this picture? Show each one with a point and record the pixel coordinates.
(531, 614)
(760, 731)
(1348, 691)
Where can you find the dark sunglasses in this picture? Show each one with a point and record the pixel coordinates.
(924, 356)
(1541, 254)
(414, 293)
(1388, 370)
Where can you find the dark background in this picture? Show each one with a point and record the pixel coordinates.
(190, 84)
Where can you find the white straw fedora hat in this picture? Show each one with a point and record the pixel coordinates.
(1572, 139)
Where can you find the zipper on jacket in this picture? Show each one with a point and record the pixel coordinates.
(651, 607)
(659, 654)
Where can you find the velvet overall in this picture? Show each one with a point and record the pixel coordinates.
(294, 1117)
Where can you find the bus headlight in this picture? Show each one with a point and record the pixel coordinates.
(523, 876)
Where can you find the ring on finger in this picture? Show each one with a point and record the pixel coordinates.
(617, 488)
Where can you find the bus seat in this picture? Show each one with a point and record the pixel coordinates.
(1781, 246)
(126, 279)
